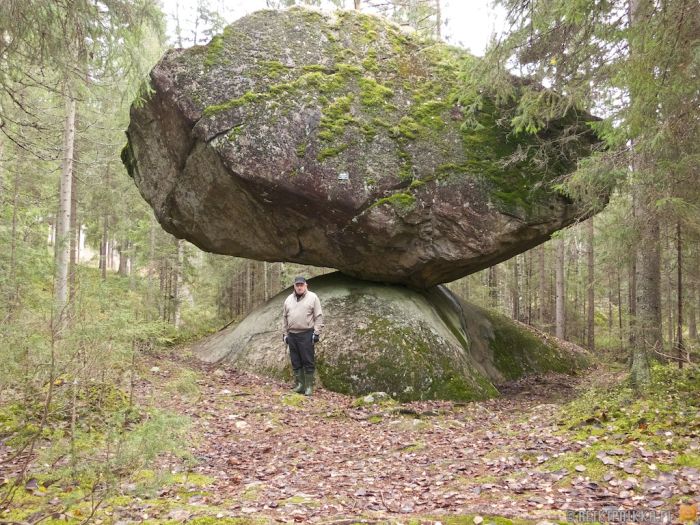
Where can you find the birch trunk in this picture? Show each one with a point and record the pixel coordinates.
(63, 219)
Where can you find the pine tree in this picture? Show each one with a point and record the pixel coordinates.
(636, 64)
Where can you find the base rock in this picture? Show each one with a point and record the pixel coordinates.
(411, 344)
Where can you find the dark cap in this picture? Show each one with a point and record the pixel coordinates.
(299, 279)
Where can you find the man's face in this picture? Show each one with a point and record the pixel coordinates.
(300, 288)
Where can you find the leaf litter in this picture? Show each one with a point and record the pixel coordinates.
(275, 455)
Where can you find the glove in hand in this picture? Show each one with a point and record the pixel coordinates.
(317, 337)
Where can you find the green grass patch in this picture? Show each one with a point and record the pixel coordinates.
(670, 403)
(301, 500)
(688, 460)
(413, 447)
(661, 417)
(184, 384)
(293, 400)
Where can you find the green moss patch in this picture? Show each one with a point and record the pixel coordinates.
(647, 432)
(669, 404)
(400, 201)
(293, 400)
(335, 118)
(372, 93)
(370, 80)
(214, 49)
(432, 373)
(517, 352)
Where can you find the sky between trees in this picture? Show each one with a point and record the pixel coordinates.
(467, 24)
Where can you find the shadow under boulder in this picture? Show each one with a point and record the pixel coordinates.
(414, 345)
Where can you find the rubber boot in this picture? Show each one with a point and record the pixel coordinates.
(308, 382)
(299, 386)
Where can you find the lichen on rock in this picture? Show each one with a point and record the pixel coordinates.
(240, 148)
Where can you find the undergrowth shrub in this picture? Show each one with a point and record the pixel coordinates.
(68, 407)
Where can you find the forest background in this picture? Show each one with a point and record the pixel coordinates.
(89, 281)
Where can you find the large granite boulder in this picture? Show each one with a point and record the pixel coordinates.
(339, 141)
(411, 344)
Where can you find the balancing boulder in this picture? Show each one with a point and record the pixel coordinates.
(340, 141)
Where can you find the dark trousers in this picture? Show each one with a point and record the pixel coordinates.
(301, 350)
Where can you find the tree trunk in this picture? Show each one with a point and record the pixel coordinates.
(162, 289)
(692, 311)
(679, 292)
(63, 219)
(648, 336)
(647, 322)
(103, 247)
(619, 308)
(152, 302)
(516, 290)
(266, 286)
(542, 285)
(75, 231)
(671, 308)
(123, 251)
(573, 286)
(528, 285)
(591, 288)
(13, 290)
(560, 319)
(177, 291)
(632, 300)
(438, 21)
(110, 253)
(493, 287)
(248, 288)
(611, 302)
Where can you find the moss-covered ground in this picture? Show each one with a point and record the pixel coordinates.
(258, 454)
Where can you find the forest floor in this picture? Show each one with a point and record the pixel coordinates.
(262, 454)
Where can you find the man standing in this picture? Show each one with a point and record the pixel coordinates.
(302, 324)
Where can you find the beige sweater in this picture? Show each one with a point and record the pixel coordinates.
(303, 314)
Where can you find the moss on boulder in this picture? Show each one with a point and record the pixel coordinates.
(262, 144)
(387, 338)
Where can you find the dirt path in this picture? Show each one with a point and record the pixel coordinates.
(289, 458)
(260, 454)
